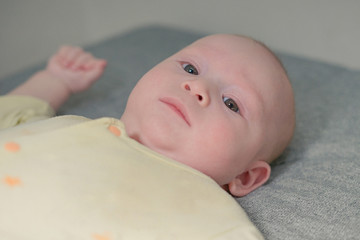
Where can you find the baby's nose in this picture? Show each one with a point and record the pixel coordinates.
(199, 90)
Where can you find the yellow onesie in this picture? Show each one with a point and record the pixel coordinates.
(70, 177)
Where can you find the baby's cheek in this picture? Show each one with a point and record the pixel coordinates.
(222, 136)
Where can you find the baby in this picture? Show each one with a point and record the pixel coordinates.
(207, 119)
(222, 105)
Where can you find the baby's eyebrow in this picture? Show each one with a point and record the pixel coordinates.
(251, 101)
(257, 105)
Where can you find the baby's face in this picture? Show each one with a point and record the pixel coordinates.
(208, 106)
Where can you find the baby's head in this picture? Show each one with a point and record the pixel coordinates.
(223, 105)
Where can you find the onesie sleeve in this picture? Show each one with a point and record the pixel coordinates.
(15, 110)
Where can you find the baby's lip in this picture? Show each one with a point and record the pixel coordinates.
(177, 107)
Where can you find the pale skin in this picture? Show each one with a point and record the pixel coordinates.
(223, 105)
(69, 71)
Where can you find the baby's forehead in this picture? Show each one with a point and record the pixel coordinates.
(229, 46)
(226, 38)
(236, 50)
(226, 41)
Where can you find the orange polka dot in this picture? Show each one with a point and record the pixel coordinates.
(101, 237)
(114, 130)
(12, 147)
(12, 181)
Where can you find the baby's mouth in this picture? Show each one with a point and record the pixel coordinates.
(177, 107)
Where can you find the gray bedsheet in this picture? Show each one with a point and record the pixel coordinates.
(314, 190)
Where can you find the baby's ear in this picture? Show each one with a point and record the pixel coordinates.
(255, 176)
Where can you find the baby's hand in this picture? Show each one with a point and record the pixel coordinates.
(77, 69)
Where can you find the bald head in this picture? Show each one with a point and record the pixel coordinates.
(282, 123)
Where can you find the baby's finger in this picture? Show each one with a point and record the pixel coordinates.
(101, 63)
(95, 63)
(96, 69)
(81, 61)
(57, 58)
(72, 55)
(69, 54)
(63, 51)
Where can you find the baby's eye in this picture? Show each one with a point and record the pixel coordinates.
(231, 104)
(190, 69)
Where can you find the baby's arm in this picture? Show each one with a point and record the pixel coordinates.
(69, 71)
